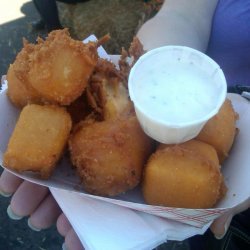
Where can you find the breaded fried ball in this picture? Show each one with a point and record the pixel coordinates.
(106, 92)
(60, 67)
(186, 175)
(38, 140)
(220, 130)
(19, 90)
(109, 156)
(52, 71)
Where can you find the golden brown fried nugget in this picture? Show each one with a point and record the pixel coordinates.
(220, 130)
(19, 90)
(109, 155)
(55, 70)
(106, 92)
(185, 175)
(60, 67)
(38, 139)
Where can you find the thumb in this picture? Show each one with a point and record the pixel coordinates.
(220, 226)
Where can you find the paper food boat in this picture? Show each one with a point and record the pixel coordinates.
(236, 169)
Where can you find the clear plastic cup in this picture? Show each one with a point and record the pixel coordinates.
(175, 91)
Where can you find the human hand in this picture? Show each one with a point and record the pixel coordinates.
(29, 199)
(71, 241)
(220, 226)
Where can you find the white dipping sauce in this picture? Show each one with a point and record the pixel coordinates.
(173, 94)
(174, 91)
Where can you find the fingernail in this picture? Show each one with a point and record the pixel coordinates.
(64, 246)
(12, 215)
(2, 193)
(32, 227)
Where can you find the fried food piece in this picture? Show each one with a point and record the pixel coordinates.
(186, 175)
(106, 93)
(109, 156)
(129, 58)
(19, 91)
(60, 67)
(220, 130)
(55, 70)
(38, 139)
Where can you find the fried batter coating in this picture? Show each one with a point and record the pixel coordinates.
(38, 140)
(129, 58)
(106, 93)
(60, 67)
(186, 175)
(109, 156)
(19, 90)
(220, 130)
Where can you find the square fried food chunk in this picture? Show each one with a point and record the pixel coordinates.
(38, 140)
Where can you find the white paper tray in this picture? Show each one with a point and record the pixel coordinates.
(236, 170)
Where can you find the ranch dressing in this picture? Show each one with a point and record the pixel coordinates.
(173, 95)
(174, 90)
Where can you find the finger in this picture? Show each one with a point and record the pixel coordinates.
(45, 215)
(27, 198)
(220, 226)
(72, 241)
(9, 183)
(63, 225)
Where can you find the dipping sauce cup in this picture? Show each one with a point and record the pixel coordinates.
(175, 91)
